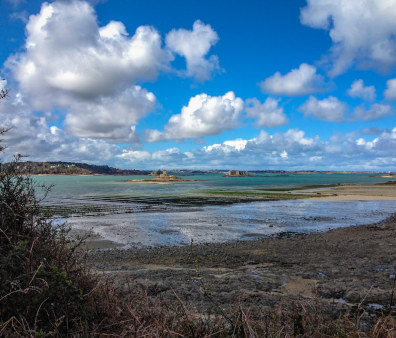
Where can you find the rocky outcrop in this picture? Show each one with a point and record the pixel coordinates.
(161, 178)
(156, 173)
(237, 173)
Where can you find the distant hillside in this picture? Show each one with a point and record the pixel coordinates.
(71, 168)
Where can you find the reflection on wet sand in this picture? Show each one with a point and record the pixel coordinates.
(210, 224)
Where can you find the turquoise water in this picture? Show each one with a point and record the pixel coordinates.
(65, 187)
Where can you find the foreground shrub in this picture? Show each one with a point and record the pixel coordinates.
(43, 283)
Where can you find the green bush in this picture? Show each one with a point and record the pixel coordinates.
(42, 280)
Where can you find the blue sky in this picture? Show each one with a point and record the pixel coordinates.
(247, 85)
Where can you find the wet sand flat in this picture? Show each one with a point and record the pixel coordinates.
(171, 223)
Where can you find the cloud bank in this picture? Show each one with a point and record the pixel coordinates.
(32, 134)
(289, 150)
(333, 110)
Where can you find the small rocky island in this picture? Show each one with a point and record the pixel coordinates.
(237, 173)
(161, 177)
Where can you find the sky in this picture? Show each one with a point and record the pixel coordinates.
(183, 84)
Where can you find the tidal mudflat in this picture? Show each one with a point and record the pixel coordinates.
(223, 223)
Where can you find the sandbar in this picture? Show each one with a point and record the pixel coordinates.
(160, 180)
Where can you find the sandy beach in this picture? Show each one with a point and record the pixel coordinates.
(360, 192)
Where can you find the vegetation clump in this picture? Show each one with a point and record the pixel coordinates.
(43, 284)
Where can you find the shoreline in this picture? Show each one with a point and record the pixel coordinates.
(68, 175)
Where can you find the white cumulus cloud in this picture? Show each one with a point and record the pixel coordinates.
(300, 81)
(362, 31)
(203, 116)
(390, 91)
(33, 135)
(267, 114)
(329, 109)
(194, 46)
(227, 146)
(358, 89)
(97, 119)
(375, 112)
(284, 154)
(69, 55)
(89, 72)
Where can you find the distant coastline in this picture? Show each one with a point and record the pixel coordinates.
(56, 175)
(60, 168)
(73, 169)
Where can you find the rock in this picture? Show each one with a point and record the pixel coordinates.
(237, 173)
(156, 173)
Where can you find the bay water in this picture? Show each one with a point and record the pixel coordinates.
(120, 214)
